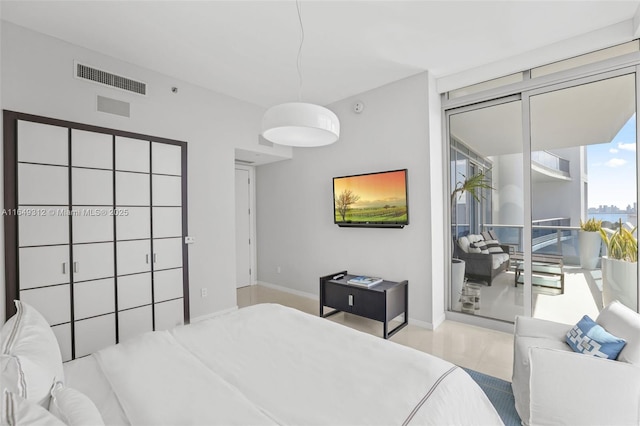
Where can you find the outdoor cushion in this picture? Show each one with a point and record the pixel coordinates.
(464, 242)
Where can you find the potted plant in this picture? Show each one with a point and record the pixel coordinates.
(589, 242)
(473, 185)
(620, 267)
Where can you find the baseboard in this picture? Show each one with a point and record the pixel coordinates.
(438, 321)
(289, 290)
(493, 324)
(421, 324)
(428, 325)
(213, 315)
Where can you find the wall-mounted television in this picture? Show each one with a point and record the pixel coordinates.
(375, 200)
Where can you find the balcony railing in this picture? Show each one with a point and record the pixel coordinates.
(552, 161)
(549, 236)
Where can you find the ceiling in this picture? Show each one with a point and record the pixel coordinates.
(247, 49)
(582, 115)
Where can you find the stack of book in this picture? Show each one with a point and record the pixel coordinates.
(364, 281)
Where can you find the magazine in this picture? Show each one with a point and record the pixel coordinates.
(364, 281)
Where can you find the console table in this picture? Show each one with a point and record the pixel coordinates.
(381, 302)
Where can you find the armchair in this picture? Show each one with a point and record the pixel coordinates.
(553, 385)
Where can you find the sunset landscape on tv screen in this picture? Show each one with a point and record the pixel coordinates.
(371, 198)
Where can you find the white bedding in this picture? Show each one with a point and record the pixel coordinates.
(268, 364)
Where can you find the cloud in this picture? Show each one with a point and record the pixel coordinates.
(613, 151)
(627, 146)
(615, 162)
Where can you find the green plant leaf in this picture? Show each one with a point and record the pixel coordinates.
(621, 244)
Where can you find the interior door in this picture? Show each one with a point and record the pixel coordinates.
(243, 235)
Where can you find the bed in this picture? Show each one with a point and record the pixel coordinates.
(265, 365)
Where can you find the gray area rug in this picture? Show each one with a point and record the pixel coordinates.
(500, 394)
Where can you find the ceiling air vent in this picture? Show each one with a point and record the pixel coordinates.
(108, 79)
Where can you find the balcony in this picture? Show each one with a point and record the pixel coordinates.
(582, 290)
(547, 167)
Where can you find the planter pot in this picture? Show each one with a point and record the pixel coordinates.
(457, 282)
(589, 244)
(620, 282)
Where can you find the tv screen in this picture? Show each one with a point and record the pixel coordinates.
(371, 200)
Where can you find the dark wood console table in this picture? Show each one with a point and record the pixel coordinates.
(381, 302)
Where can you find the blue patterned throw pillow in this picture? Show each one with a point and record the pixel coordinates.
(587, 337)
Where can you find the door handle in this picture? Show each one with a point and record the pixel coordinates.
(155, 257)
(76, 267)
(351, 300)
(64, 268)
(147, 258)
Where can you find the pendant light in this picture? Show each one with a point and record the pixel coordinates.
(297, 123)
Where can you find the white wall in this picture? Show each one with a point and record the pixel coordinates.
(508, 199)
(295, 201)
(439, 229)
(37, 78)
(545, 195)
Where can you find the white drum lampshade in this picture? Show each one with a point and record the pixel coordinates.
(300, 124)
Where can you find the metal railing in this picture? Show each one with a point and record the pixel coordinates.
(556, 239)
(551, 236)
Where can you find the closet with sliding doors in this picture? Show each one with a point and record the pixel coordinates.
(95, 221)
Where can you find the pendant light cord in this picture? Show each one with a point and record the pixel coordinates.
(299, 61)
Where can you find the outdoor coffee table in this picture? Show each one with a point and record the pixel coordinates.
(546, 271)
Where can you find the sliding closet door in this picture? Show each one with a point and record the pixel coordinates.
(167, 235)
(133, 236)
(94, 230)
(43, 225)
(92, 250)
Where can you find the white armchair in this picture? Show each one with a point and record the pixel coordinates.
(553, 385)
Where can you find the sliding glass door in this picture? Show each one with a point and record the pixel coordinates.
(487, 208)
(583, 167)
(525, 172)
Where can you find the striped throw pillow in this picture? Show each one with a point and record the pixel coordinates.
(479, 245)
(493, 246)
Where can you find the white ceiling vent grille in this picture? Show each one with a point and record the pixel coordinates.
(108, 79)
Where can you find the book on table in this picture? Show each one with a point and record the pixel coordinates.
(364, 281)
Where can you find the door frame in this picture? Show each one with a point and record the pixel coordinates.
(611, 68)
(252, 220)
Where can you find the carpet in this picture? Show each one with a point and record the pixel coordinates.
(500, 394)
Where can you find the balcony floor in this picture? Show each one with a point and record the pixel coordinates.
(582, 296)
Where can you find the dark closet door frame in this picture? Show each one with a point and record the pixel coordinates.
(10, 130)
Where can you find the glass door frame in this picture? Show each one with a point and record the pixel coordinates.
(524, 91)
(448, 210)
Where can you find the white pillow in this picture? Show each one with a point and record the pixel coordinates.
(623, 322)
(73, 407)
(31, 359)
(474, 238)
(18, 411)
(463, 242)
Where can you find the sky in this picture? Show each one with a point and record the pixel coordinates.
(611, 169)
(375, 190)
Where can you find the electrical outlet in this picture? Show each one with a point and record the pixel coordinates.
(203, 292)
(278, 269)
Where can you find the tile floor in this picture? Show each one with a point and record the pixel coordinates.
(582, 296)
(483, 350)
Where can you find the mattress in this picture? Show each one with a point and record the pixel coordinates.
(268, 364)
